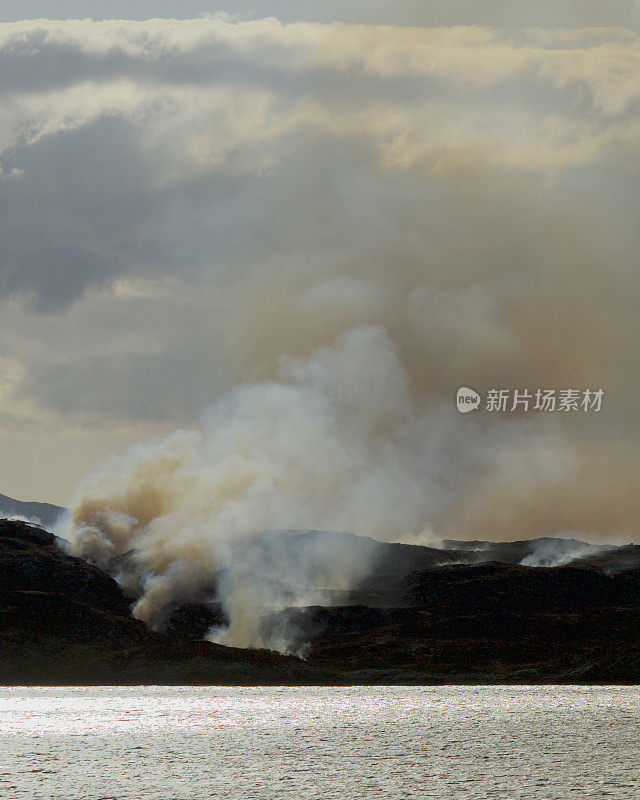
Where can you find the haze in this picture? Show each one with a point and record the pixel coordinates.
(189, 205)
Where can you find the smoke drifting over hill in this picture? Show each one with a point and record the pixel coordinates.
(336, 440)
(318, 233)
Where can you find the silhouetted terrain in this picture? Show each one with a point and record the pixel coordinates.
(490, 623)
(47, 513)
(63, 621)
(421, 616)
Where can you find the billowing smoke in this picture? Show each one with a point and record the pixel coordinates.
(558, 552)
(337, 441)
(325, 231)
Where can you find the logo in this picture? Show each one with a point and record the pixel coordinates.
(509, 400)
(467, 400)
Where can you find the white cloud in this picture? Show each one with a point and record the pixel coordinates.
(186, 202)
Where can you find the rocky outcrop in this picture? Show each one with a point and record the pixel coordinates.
(491, 623)
(424, 620)
(63, 621)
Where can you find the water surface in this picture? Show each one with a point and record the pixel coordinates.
(167, 743)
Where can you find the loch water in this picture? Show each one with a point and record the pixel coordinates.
(355, 743)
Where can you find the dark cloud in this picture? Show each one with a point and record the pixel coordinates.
(71, 202)
(190, 202)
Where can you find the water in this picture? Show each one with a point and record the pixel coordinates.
(166, 743)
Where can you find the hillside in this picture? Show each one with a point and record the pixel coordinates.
(63, 621)
(424, 621)
(46, 513)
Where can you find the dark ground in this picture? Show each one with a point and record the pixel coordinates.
(417, 619)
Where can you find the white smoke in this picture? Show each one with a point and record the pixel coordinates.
(279, 570)
(333, 442)
(259, 189)
(21, 518)
(556, 552)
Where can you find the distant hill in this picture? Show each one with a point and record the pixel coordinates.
(63, 621)
(46, 513)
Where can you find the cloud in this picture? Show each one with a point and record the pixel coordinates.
(186, 204)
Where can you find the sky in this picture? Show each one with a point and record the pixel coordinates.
(185, 202)
(427, 13)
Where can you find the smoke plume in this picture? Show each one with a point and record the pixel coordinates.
(337, 441)
(323, 231)
(558, 552)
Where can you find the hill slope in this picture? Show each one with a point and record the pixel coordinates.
(47, 513)
(63, 621)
